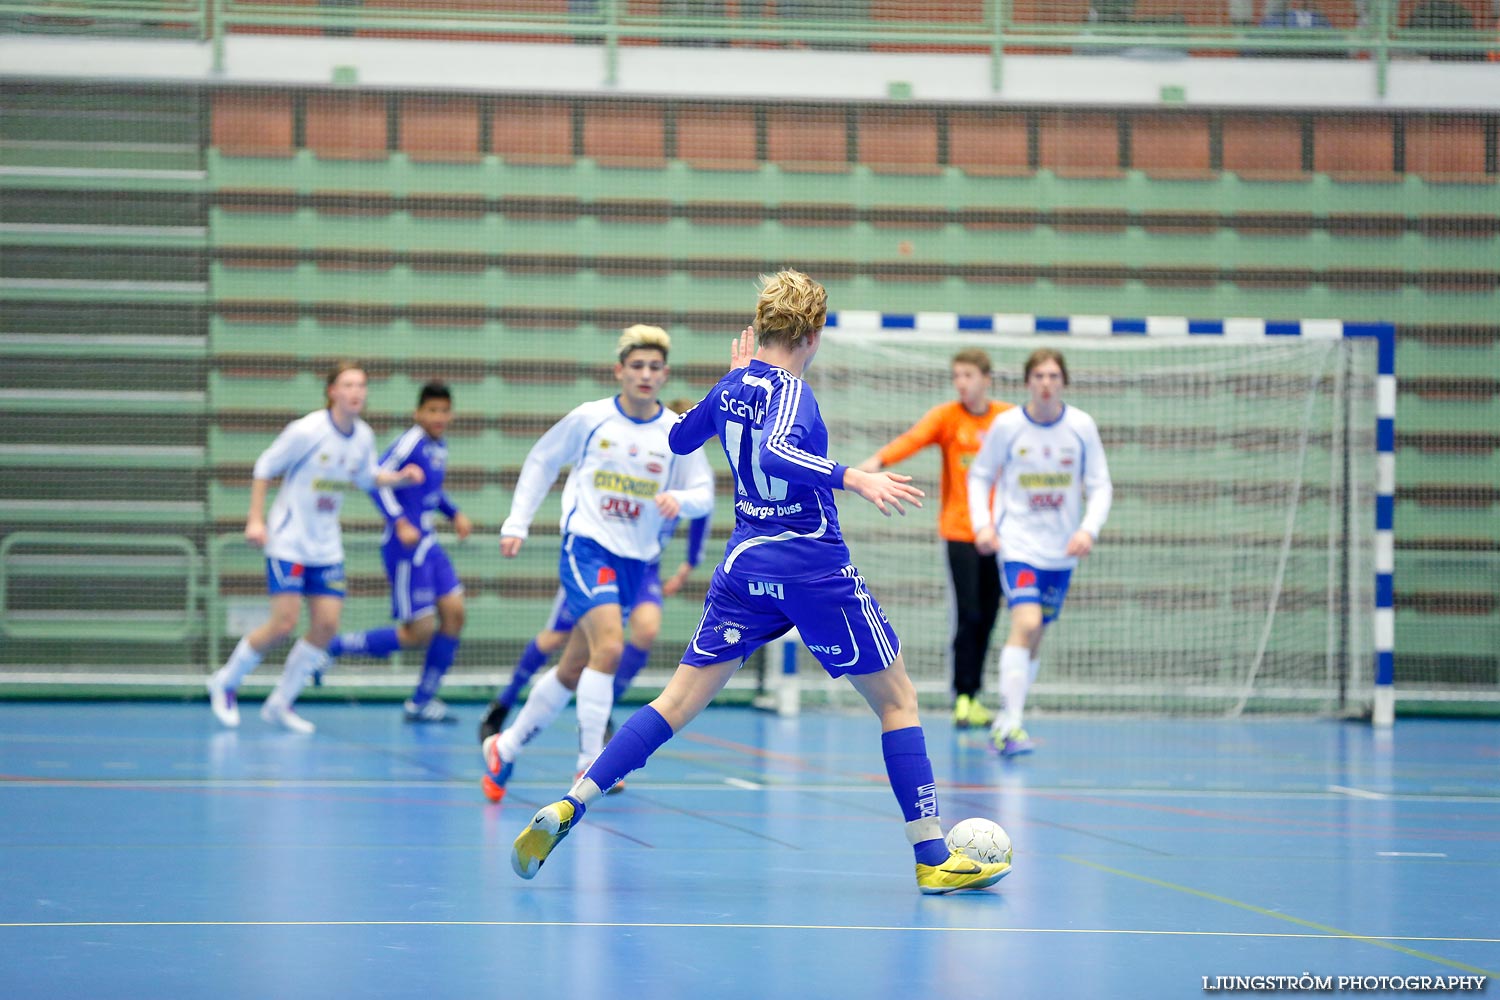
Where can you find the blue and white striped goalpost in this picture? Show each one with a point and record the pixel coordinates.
(1384, 335)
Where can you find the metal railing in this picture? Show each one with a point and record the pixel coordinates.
(992, 26)
(99, 563)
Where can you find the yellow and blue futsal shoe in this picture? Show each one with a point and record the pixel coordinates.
(545, 831)
(959, 873)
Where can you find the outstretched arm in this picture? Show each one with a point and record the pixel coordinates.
(538, 472)
(921, 434)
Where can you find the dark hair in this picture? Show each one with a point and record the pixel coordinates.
(1046, 354)
(434, 390)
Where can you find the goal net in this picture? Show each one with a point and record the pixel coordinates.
(1236, 570)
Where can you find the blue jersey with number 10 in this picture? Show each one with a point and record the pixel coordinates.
(786, 525)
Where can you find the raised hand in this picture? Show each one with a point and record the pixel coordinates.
(742, 348)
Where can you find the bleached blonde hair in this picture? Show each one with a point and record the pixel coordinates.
(791, 308)
(640, 335)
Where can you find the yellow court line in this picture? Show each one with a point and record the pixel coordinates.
(1333, 935)
(1327, 931)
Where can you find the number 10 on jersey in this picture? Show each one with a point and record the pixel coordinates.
(767, 487)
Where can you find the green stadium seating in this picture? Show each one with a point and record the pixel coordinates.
(241, 239)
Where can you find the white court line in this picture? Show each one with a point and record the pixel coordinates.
(1358, 793)
(742, 783)
(1410, 854)
(645, 925)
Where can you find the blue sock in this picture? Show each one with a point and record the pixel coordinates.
(631, 662)
(378, 642)
(910, 771)
(637, 739)
(440, 653)
(529, 663)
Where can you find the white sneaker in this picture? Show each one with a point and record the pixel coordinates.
(277, 713)
(223, 701)
(435, 710)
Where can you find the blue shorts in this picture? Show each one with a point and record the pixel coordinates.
(418, 577)
(284, 577)
(840, 623)
(558, 620)
(592, 576)
(1026, 584)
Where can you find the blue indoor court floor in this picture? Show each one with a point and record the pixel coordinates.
(148, 853)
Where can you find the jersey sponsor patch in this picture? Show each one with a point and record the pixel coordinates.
(618, 482)
(620, 508)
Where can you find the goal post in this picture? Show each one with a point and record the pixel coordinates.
(1247, 564)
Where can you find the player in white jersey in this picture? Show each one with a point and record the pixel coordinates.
(317, 458)
(625, 485)
(1048, 459)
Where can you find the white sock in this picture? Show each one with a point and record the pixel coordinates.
(244, 659)
(546, 701)
(301, 663)
(596, 696)
(1015, 668)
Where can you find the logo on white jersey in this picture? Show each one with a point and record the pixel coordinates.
(620, 509)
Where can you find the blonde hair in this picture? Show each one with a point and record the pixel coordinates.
(333, 376)
(681, 404)
(640, 335)
(792, 308)
(1045, 354)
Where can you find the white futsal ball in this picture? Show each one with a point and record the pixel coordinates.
(982, 840)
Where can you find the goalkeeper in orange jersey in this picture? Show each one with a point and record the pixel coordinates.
(957, 427)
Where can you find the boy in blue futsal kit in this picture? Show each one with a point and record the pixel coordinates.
(786, 565)
(427, 598)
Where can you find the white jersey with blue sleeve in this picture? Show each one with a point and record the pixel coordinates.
(1045, 471)
(316, 463)
(619, 465)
